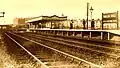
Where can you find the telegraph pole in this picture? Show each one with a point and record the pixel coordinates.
(87, 13)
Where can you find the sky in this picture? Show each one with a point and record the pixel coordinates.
(71, 8)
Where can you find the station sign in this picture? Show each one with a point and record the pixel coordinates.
(110, 18)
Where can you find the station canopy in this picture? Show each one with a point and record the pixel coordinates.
(47, 18)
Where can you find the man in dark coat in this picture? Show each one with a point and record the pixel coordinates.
(71, 24)
(83, 23)
(92, 24)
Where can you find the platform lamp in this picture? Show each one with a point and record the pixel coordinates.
(91, 10)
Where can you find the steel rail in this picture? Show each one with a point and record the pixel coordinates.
(44, 66)
(84, 43)
(90, 63)
(56, 41)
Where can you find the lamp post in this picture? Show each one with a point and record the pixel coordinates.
(91, 10)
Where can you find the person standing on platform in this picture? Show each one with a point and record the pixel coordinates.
(83, 23)
(71, 24)
(92, 24)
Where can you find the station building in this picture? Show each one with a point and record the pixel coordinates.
(54, 22)
(57, 22)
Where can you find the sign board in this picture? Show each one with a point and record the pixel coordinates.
(110, 18)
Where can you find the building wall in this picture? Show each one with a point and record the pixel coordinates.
(19, 21)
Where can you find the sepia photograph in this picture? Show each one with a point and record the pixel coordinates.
(60, 34)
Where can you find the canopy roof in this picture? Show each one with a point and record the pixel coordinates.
(49, 18)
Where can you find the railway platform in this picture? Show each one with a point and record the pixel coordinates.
(106, 35)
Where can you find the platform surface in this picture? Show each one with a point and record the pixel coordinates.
(111, 31)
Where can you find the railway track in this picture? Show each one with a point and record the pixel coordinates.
(97, 55)
(80, 41)
(115, 52)
(48, 56)
(21, 54)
